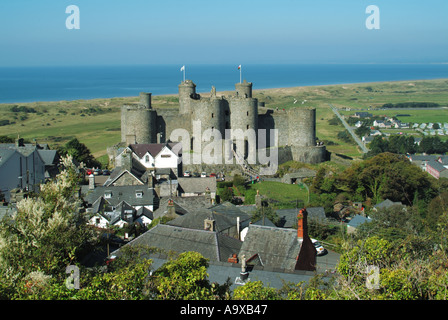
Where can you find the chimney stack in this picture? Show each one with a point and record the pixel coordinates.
(306, 260)
(302, 223)
(91, 182)
(171, 209)
(209, 224)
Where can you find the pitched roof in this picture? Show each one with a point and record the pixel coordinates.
(212, 245)
(197, 185)
(49, 157)
(182, 205)
(224, 217)
(5, 154)
(436, 165)
(121, 193)
(387, 203)
(357, 220)
(275, 247)
(154, 148)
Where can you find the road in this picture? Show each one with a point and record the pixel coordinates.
(327, 261)
(349, 129)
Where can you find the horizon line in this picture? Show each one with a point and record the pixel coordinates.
(221, 64)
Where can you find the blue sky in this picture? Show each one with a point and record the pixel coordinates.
(33, 32)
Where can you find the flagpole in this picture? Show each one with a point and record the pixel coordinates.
(240, 68)
(183, 70)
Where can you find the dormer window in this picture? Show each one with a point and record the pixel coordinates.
(108, 194)
(138, 194)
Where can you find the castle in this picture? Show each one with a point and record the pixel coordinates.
(291, 133)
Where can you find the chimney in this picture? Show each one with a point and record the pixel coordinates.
(306, 260)
(238, 227)
(302, 223)
(233, 258)
(171, 209)
(209, 224)
(20, 142)
(91, 182)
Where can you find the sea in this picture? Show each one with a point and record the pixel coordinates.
(36, 84)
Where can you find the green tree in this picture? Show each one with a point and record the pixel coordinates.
(255, 290)
(185, 278)
(80, 152)
(48, 232)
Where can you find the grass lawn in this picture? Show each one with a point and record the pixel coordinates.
(285, 195)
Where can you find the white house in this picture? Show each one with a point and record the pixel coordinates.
(151, 156)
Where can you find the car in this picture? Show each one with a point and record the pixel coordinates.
(319, 248)
(203, 174)
(212, 175)
(106, 172)
(89, 172)
(97, 172)
(187, 174)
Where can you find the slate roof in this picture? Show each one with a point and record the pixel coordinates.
(5, 154)
(182, 205)
(225, 217)
(196, 185)
(275, 247)
(121, 193)
(212, 245)
(357, 220)
(25, 150)
(386, 204)
(436, 165)
(154, 148)
(50, 157)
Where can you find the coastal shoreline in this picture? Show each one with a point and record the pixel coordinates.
(224, 92)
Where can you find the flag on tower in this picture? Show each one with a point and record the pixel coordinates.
(183, 69)
(239, 68)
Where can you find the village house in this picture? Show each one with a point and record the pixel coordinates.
(436, 169)
(119, 205)
(22, 167)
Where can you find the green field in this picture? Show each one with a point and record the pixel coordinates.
(97, 122)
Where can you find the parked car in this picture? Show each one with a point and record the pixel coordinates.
(212, 175)
(203, 174)
(187, 174)
(97, 172)
(106, 172)
(319, 248)
(89, 172)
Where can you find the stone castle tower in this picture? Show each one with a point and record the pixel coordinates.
(296, 128)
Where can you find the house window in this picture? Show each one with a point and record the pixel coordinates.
(213, 115)
(97, 221)
(166, 156)
(146, 158)
(247, 113)
(108, 194)
(139, 194)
